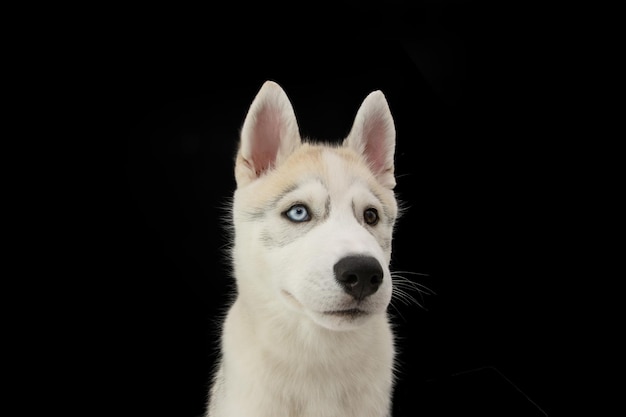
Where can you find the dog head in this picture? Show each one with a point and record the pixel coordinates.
(313, 223)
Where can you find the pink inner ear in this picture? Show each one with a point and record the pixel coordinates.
(376, 151)
(265, 140)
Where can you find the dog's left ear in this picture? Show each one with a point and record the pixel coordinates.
(373, 135)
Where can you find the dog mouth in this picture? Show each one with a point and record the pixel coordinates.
(352, 312)
(346, 313)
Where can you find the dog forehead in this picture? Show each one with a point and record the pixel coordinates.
(341, 171)
(336, 168)
(332, 164)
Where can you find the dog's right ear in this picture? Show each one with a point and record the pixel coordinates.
(269, 134)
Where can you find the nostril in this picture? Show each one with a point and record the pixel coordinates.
(350, 279)
(376, 279)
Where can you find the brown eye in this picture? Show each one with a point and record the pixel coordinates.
(370, 216)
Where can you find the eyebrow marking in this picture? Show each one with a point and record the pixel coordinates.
(326, 209)
(287, 190)
(389, 219)
(257, 213)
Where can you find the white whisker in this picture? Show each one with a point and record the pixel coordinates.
(397, 310)
(412, 273)
(404, 288)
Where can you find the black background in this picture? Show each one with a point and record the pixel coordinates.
(476, 162)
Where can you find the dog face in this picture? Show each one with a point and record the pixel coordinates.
(314, 223)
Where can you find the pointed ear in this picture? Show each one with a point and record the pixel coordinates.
(269, 134)
(373, 135)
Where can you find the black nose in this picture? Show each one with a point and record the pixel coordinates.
(359, 276)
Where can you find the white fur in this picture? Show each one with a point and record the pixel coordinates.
(282, 353)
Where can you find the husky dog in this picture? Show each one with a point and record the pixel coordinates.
(308, 333)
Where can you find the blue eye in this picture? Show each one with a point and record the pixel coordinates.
(298, 213)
